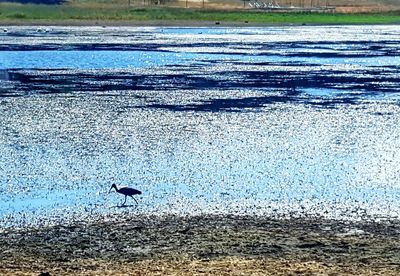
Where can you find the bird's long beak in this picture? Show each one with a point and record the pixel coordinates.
(110, 190)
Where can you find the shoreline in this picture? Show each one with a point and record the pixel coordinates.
(224, 245)
(172, 24)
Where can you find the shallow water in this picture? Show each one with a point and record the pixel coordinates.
(279, 121)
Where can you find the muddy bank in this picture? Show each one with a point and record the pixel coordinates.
(209, 245)
(134, 23)
(170, 23)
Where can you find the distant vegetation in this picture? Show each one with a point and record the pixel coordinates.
(93, 11)
(45, 2)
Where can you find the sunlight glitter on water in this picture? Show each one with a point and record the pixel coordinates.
(204, 133)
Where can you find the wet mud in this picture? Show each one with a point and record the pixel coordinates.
(204, 245)
(278, 83)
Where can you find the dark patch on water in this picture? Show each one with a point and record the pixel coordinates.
(291, 84)
(302, 49)
(231, 105)
(249, 104)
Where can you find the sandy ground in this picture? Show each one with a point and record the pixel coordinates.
(204, 246)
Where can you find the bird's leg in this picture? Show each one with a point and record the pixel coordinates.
(124, 202)
(135, 200)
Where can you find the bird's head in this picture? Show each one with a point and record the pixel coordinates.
(113, 186)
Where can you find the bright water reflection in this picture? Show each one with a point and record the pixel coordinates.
(287, 121)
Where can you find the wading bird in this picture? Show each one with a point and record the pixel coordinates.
(127, 192)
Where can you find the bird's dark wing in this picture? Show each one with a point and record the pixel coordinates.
(129, 191)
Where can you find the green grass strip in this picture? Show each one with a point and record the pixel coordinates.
(64, 12)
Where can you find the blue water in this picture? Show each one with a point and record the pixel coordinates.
(279, 121)
(87, 59)
(77, 59)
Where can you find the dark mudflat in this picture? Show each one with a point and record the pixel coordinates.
(227, 245)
